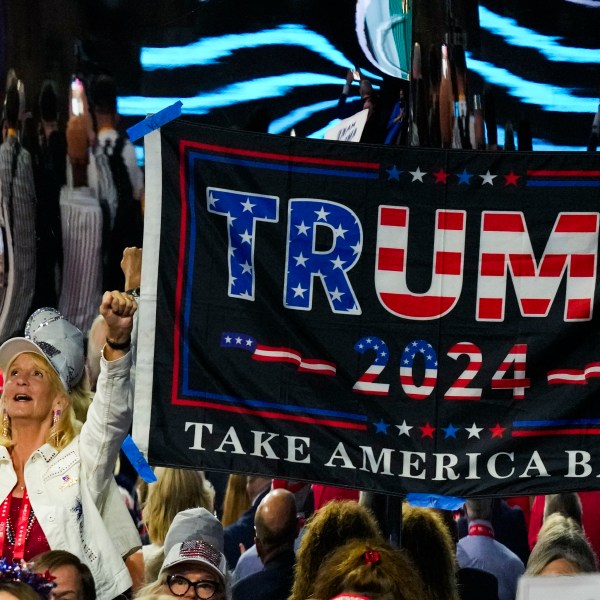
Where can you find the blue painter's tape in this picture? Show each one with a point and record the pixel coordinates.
(152, 122)
(435, 501)
(136, 458)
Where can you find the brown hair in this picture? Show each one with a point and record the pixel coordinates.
(336, 523)
(371, 567)
(426, 539)
(54, 559)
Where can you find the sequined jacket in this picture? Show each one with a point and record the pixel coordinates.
(73, 492)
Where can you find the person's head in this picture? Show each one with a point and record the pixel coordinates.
(12, 101)
(104, 95)
(17, 590)
(479, 509)
(336, 523)
(567, 504)
(174, 491)
(73, 579)
(371, 568)
(43, 375)
(236, 500)
(192, 569)
(256, 485)
(48, 102)
(190, 524)
(18, 580)
(275, 523)
(428, 542)
(561, 549)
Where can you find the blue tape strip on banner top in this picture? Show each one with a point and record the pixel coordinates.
(435, 501)
(136, 458)
(152, 122)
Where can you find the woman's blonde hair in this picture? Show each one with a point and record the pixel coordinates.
(236, 501)
(175, 490)
(67, 427)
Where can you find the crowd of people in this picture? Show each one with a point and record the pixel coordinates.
(77, 524)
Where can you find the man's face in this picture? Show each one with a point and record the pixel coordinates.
(68, 584)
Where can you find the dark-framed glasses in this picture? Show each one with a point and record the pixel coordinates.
(179, 585)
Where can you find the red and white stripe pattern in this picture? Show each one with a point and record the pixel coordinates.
(517, 360)
(366, 383)
(264, 353)
(460, 389)
(448, 259)
(574, 376)
(572, 246)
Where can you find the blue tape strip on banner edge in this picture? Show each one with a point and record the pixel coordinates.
(136, 458)
(435, 501)
(152, 122)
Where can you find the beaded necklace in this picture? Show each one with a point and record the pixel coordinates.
(25, 522)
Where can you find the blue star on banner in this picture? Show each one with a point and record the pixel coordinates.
(393, 173)
(464, 177)
(381, 426)
(450, 431)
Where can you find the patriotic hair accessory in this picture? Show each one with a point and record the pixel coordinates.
(197, 552)
(372, 557)
(42, 583)
(50, 335)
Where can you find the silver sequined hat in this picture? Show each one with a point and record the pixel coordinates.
(49, 334)
(195, 523)
(197, 552)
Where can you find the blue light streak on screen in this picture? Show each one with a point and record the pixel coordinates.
(243, 91)
(285, 123)
(548, 97)
(208, 51)
(526, 38)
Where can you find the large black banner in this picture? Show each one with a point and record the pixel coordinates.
(379, 317)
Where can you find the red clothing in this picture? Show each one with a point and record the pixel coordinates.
(590, 504)
(325, 493)
(35, 542)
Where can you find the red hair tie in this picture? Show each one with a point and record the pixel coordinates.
(372, 557)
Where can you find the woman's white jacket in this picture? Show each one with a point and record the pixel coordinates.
(73, 492)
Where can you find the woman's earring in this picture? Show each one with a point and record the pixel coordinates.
(5, 423)
(55, 419)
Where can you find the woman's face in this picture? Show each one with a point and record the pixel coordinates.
(28, 393)
(181, 577)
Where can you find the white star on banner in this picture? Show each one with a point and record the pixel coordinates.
(404, 429)
(248, 206)
(474, 431)
(418, 174)
(299, 291)
(246, 237)
(336, 294)
(300, 260)
(302, 228)
(488, 178)
(321, 214)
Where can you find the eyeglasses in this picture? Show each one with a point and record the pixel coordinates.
(179, 585)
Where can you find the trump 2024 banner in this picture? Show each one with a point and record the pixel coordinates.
(385, 318)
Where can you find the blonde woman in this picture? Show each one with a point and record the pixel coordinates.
(56, 482)
(176, 490)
